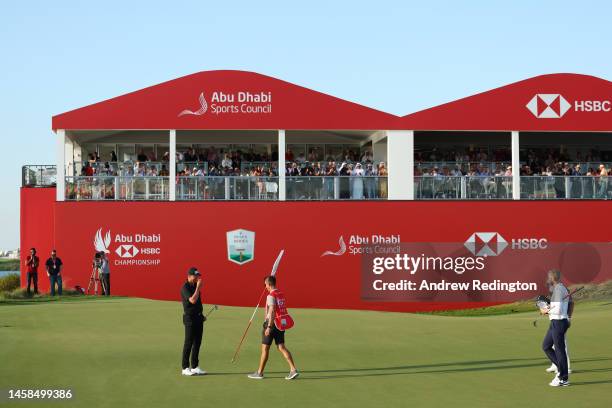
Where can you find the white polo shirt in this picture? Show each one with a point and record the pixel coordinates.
(559, 302)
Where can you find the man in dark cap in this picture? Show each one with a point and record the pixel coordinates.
(193, 321)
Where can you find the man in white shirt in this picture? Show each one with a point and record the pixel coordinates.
(558, 314)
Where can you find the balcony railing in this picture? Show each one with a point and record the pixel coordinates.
(463, 187)
(336, 188)
(566, 187)
(227, 188)
(103, 187)
(38, 176)
(85, 188)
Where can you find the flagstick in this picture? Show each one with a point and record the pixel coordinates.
(274, 268)
(248, 326)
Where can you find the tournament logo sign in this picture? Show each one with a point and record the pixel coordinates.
(240, 246)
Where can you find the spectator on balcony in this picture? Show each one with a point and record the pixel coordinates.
(603, 181)
(113, 157)
(107, 170)
(357, 182)
(88, 170)
(142, 157)
(164, 171)
(370, 181)
(328, 180)
(226, 163)
(382, 174)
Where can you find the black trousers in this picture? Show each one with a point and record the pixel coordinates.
(105, 282)
(556, 336)
(194, 328)
(32, 278)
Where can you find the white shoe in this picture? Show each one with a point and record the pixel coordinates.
(197, 371)
(552, 369)
(186, 371)
(556, 382)
(256, 376)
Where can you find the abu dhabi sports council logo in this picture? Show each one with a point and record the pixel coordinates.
(548, 106)
(102, 245)
(202, 110)
(340, 251)
(486, 244)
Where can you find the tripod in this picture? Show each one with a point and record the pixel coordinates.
(93, 281)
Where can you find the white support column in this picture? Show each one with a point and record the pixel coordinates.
(60, 186)
(400, 164)
(282, 190)
(516, 167)
(172, 164)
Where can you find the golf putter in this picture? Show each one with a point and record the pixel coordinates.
(212, 309)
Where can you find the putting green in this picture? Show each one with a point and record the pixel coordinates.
(121, 352)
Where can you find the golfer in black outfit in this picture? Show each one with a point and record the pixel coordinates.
(193, 321)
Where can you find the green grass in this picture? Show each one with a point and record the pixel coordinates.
(123, 352)
(9, 264)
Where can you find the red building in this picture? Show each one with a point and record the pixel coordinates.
(168, 171)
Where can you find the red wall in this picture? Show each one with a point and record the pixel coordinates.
(194, 233)
(37, 228)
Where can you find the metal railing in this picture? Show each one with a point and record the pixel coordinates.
(227, 188)
(317, 187)
(336, 188)
(463, 188)
(566, 188)
(117, 188)
(40, 175)
(129, 168)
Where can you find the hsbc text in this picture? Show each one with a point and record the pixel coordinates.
(529, 243)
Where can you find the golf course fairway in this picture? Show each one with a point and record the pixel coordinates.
(125, 352)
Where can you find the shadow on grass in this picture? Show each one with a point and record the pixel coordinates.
(441, 368)
(591, 382)
(65, 299)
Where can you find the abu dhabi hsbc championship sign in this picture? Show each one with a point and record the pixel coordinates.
(555, 106)
(129, 249)
(224, 103)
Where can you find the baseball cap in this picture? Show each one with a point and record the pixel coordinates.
(193, 271)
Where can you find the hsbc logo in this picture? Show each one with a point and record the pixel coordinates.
(486, 244)
(127, 251)
(493, 244)
(548, 106)
(554, 106)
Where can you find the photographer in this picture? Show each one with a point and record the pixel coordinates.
(96, 264)
(105, 274)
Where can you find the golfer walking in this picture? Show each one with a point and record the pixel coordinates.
(559, 323)
(193, 320)
(276, 310)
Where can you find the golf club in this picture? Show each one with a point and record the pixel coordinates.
(212, 309)
(540, 304)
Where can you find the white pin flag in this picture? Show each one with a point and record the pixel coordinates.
(278, 259)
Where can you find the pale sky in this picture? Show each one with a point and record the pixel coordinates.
(397, 56)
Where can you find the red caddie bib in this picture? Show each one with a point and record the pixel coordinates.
(282, 320)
